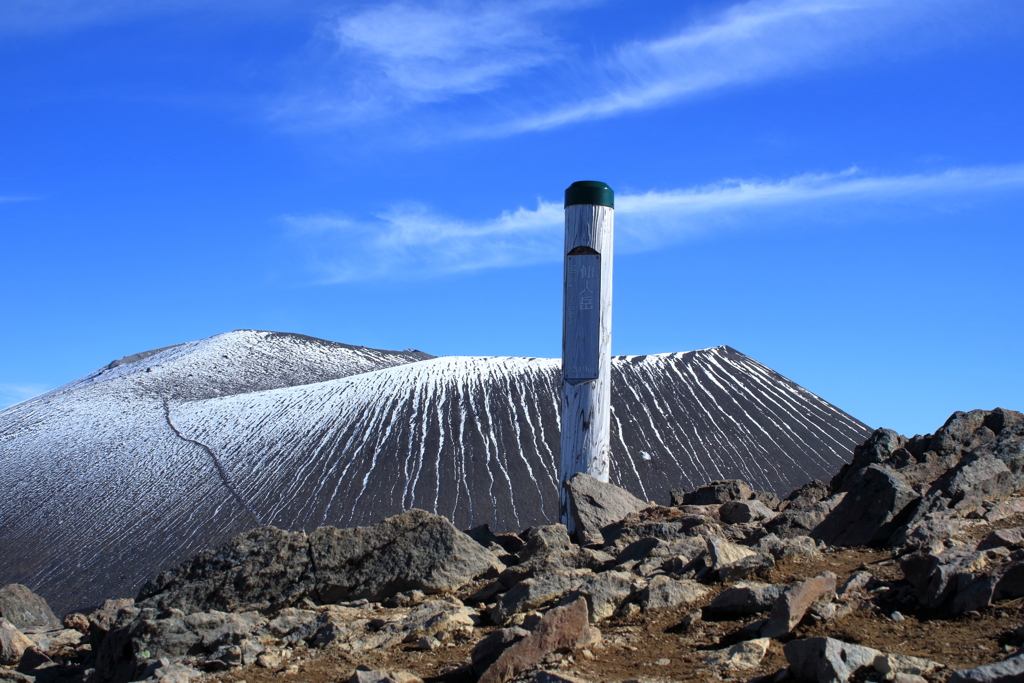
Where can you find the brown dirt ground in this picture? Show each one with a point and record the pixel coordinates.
(631, 646)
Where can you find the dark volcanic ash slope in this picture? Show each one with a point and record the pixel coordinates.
(150, 461)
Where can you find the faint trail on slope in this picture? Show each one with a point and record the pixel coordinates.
(216, 462)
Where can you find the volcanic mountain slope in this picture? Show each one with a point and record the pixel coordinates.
(128, 471)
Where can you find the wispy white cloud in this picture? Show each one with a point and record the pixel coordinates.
(393, 57)
(747, 43)
(11, 394)
(413, 241)
(453, 47)
(418, 57)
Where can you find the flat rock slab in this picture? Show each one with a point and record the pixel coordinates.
(566, 627)
(28, 612)
(791, 607)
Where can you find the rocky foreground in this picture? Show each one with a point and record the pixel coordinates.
(908, 566)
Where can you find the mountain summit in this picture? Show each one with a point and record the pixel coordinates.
(152, 458)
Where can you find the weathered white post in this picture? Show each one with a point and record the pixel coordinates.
(586, 335)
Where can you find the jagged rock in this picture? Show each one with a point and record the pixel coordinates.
(747, 533)
(879, 449)
(934, 577)
(713, 492)
(1008, 670)
(604, 593)
(790, 608)
(414, 550)
(16, 677)
(435, 618)
(742, 656)
(1004, 509)
(770, 499)
(112, 614)
(664, 592)
(802, 521)
(792, 549)
(428, 643)
(722, 553)
(28, 612)
(655, 548)
(509, 543)
(745, 511)
(826, 660)
(980, 478)
(267, 569)
(487, 651)
(930, 534)
(595, 504)
(564, 627)
(746, 598)
(125, 651)
(77, 621)
(746, 567)
(541, 541)
(1004, 538)
(263, 569)
(667, 524)
(291, 625)
(857, 582)
(807, 496)
(52, 642)
(13, 643)
(364, 674)
(870, 512)
(174, 672)
(532, 593)
(891, 665)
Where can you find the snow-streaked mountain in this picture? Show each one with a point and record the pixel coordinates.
(132, 469)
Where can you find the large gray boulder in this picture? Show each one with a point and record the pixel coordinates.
(268, 569)
(871, 510)
(595, 504)
(746, 598)
(28, 612)
(412, 551)
(264, 569)
(826, 659)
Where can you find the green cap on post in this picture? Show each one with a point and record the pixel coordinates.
(590, 192)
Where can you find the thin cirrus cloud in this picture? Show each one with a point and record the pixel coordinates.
(402, 55)
(405, 57)
(412, 241)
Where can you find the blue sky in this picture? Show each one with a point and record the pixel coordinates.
(833, 188)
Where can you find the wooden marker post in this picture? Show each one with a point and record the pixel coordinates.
(586, 335)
